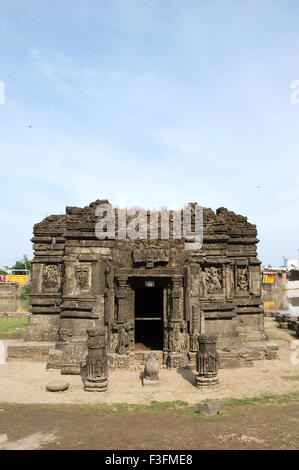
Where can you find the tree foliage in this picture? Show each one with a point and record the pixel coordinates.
(21, 264)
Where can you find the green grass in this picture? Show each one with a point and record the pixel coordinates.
(129, 407)
(290, 377)
(228, 405)
(166, 405)
(189, 410)
(8, 327)
(261, 399)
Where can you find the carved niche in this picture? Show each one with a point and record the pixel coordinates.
(242, 279)
(177, 337)
(83, 277)
(51, 277)
(125, 340)
(212, 278)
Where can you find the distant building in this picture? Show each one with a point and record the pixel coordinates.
(273, 278)
(293, 263)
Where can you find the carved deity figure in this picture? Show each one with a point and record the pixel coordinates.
(213, 280)
(114, 338)
(83, 279)
(125, 338)
(51, 276)
(177, 338)
(203, 284)
(242, 281)
(129, 327)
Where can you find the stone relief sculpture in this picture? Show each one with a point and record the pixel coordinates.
(213, 280)
(125, 338)
(51, 276)
(83, 279)
(202, 283)
(242, 279)
(114, 337)
(177, 338)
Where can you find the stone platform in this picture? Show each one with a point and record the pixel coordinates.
(20, 350)
(228, 359)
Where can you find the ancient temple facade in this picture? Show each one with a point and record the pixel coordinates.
(149, 294)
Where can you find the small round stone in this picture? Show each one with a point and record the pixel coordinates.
(57, 386)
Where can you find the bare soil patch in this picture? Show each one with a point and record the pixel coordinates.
(252, 426)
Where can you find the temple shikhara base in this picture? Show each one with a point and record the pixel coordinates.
(151, 295)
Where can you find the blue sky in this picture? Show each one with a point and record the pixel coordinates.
(150, 102)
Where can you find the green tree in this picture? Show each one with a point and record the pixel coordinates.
(21, 264)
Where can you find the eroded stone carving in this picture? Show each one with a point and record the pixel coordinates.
(242, 279)
(151, 370)
(178, 337)
(51, 278)
(96, 360)
(213, 280)
(125, 337)
(72, 357)
(83, 279)
(207, 362)
(151, 256)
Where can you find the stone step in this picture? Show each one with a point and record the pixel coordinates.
(141, 356)
(34, 351)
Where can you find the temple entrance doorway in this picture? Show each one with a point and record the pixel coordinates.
(148, 310)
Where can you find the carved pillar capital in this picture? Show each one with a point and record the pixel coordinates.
(122, 280)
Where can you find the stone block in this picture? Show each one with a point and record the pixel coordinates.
(210, 408)
(148, 382)
(42, 327)
(54, 359)
(30, 351)
(177, 360)
(73, 357)
(57, 386)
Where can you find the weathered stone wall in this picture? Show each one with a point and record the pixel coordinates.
(79, 281)
(10, 290)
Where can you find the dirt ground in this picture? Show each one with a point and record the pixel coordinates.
(82, 427)
(24, 382)
(124, 417)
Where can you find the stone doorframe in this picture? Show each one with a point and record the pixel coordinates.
(176, 338)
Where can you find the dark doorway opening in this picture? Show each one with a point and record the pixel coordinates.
(148, 318)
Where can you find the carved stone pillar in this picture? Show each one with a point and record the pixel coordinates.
(177, 313)
(96, 360)
(207, 362)
(194, 328)
(122, 301)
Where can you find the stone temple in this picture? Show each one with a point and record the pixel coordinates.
(148, 294)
